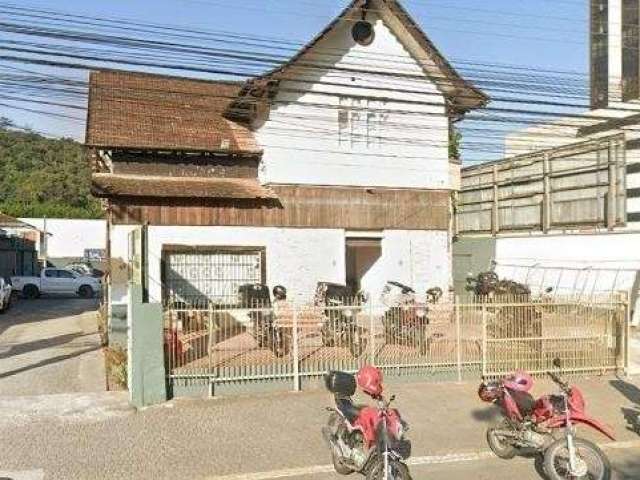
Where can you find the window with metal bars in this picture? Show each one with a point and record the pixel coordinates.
(201, 276)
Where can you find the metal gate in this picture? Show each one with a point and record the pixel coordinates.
(257, 344)
(587, 335)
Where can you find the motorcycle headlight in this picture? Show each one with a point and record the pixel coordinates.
(420, 313)
(348, 313)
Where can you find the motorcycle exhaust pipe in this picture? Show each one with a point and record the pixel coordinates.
(331, 441)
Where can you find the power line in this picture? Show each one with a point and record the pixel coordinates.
(241, 56)
(231, 37)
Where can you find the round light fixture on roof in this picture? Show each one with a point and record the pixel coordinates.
(362, 32)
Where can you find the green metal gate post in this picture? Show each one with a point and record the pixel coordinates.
(147, 377)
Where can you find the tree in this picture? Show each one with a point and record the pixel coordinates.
(455, 139)
(43, 177)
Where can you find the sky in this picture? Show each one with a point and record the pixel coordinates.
(539, 34)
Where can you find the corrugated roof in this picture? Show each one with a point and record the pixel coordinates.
(107, 184)
(8, 221)
(139, 110)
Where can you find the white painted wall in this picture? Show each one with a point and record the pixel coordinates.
(119, 259)
(300, 137)
(296, 258)
(70, 237)
(299, 258)
(573, 263)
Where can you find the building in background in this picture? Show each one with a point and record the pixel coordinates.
(298, 176)
(18, 255)
(562, 210)
(70, 240)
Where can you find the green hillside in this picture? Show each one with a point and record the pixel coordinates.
(43, 177)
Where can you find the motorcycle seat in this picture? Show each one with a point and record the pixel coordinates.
(348, 409)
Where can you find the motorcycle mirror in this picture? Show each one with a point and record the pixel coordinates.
(393, 397)
(557, 362)
(548, 289)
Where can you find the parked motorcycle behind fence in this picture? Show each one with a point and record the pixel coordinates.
(340, 326)
(529, 424)
(364, 439)
(520, 317)
(405, 321)
(269, 330)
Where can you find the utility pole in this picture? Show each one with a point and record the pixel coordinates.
(45, 243)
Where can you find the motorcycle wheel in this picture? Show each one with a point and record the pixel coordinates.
(282, 345)
(328, 340)
(499, 446)
(340, 467)
(422, 342)
(389, 331)
(556, 461)
(259, 335)
(399, 471)
(357, 343)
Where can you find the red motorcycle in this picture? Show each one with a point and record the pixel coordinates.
(364, 439)
(536, 425)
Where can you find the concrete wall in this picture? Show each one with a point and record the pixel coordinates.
(298, 258)
(301, 139)
(470, 257)
(70, 237)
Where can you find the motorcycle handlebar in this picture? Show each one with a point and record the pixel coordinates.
(561, 383)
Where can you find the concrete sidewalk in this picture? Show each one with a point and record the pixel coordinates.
(50, 346)
(262, 436)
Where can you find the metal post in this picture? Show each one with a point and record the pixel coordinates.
(456, 307)
(296, 353)
(372, 336)
(484, 340)
(210, 342)
(45, 244)
(495, 210)
(546, 198)
(627, 338)
(612, 191)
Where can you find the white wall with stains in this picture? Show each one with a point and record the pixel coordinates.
(301, 138)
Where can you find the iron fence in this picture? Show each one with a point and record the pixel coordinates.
(217, 344)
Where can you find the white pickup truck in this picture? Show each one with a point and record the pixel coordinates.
(56, 281)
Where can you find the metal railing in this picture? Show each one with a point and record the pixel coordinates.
(217, 344)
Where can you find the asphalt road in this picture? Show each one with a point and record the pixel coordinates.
(56, 422)
(275, 436)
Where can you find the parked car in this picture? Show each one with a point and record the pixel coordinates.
(58, 281)
(85, 269)
(5, 294)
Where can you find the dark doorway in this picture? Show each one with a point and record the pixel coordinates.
(361, 255)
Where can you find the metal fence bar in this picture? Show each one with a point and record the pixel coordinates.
(486, 336)
(296, 353)
(484, 341)
(372, 336)
(458, 340)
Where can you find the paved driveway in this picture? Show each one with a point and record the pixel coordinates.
(50, 345)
